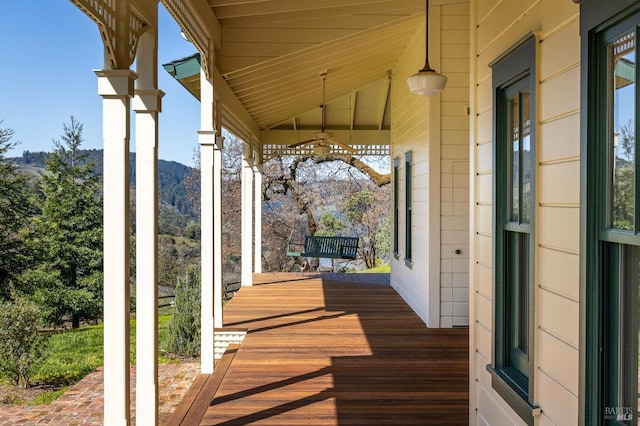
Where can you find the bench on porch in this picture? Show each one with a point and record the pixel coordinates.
(230, 289)
(325, 247)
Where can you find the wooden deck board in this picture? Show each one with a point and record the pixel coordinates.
(187, 402)
(331, 352)
(194, 405)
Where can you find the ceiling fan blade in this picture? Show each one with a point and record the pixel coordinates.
(303, 143)
(343, 146)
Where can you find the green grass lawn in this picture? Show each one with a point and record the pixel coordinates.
(73, 354)
(380, 269)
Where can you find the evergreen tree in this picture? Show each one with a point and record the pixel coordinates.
(68, 235)
(331, 225)
(14, 210)
(183, 337)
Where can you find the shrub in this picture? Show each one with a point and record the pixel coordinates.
(184, 328)
(21, 346)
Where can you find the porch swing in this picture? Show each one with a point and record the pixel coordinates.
(324, 247)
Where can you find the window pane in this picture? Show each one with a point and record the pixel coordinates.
(514, 128)
(519, 284)
(622, 138)
(409, 202)
(522, 341)
(527, 160)
(630, 377)
(517, 290)
(621, 334)
(396, 203)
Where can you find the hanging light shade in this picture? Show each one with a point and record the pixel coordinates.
(427, 81)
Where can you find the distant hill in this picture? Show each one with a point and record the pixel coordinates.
(171, 175)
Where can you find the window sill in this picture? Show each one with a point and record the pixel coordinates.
(507, 388)
(396, 255)
(408, 263)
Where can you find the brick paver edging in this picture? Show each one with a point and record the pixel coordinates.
(82, 404)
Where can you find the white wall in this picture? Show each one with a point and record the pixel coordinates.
(497, 25)
(454, 168)
(410, 125)
(436, 131)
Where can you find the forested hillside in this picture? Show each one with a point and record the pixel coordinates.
(171, 176)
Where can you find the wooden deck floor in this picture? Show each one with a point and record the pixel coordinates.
(338, 349)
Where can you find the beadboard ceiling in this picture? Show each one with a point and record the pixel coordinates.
(272, 53)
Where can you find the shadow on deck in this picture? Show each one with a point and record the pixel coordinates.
(337, 349)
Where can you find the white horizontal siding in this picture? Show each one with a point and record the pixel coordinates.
(410, 124)
(493, 410)
(559, 138)
(559, 227)
(559, 271)
(559, 315)
(498, 25)
(558, 182)
(554, 357)
(557, 402)
(437, 281)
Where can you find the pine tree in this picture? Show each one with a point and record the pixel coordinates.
(69, 233)
(14, 210)
(183, 337)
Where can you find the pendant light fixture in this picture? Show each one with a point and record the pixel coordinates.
(427, 81)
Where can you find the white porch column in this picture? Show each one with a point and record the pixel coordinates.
(147, 104)
(207, 140)
(217, 220)
(116, 89)
(247, 217)
(257, 176)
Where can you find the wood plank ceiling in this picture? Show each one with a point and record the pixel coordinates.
(273, 52)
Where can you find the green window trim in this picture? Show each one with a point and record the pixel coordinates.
(408, 173)
(514, 84)
(504, 385)
(396, 207)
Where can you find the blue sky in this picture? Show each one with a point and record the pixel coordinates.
(48, 51)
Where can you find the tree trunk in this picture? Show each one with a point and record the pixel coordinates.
(75, 321)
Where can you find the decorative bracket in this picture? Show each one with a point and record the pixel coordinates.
(119, 26)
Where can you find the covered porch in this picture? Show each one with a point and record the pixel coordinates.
(324, 348)
(297, 78)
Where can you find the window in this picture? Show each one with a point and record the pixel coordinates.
(611, 225)
(396, 206)
(408, 172)
(514, 169)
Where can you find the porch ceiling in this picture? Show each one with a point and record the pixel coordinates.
(272, 52)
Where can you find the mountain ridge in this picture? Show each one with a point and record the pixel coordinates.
(171, 175)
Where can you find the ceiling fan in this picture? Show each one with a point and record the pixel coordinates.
(323, 140)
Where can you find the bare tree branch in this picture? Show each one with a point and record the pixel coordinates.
(378, 179)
